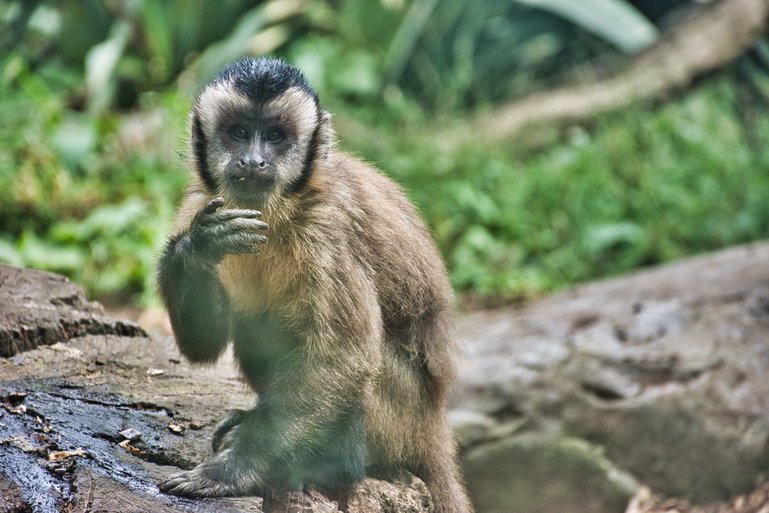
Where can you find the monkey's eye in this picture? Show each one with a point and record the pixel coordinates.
(239, 132)
(274, 135)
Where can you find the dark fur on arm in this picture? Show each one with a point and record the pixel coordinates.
(196, 301)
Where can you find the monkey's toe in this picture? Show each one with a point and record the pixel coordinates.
(193, 484)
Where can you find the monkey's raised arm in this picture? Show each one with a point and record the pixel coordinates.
(196, 301)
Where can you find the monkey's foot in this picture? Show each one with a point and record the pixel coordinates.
(192, 483)
(224, 475)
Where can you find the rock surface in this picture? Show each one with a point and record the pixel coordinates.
(660, 378)
(646, 502)
(580, 402)
(40, 308)
(93, 413)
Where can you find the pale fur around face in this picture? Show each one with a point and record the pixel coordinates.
(294, 108)
(215, 99)
(294, 105)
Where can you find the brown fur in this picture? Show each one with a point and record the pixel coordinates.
(351, 267)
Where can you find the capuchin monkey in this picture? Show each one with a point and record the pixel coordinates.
(323, 276)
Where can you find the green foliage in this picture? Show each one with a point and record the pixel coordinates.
(94, 97)
(615, 21)
(125, 48)
(87, 196)
(641, 187)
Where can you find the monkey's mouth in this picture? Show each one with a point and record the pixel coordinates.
(250, 185)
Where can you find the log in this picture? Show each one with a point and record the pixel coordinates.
(42, 309)
(94, 413)
(717, 34)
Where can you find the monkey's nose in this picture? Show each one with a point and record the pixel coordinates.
(255, 162)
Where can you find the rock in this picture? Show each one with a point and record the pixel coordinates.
(40, 308)
(86, 418)
(406, 494)
(645, 501)
(541, 474)
(664, 372)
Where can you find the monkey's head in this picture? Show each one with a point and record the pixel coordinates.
(258, 131)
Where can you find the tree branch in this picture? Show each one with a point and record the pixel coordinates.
(717, 34)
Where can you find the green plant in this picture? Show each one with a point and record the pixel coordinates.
(640, 187)
(90, 191)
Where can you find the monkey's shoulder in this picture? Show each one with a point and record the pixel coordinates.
(350, 187)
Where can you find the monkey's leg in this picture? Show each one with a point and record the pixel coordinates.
(221, 437)
(314, 411)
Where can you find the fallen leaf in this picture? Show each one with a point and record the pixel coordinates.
(63, 455)
(126, 444)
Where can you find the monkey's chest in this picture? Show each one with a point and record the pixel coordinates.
(260, 282)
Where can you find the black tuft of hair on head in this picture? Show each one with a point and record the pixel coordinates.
(262, 79)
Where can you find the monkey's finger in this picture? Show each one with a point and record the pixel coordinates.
(233, 213)
(190, 484)
(203, 216)
(224, 222)
(174, 484)
(186, 485)
(213, 205)
(242, 244)
(239, 224)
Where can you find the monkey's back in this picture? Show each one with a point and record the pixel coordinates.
(393, 245)
(393, 231)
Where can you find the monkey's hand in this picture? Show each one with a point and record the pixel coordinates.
(196, 300)
(224, 475)
(215, 233)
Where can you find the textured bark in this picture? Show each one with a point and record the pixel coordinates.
(40, 308)
(94, 413)
(716, 35)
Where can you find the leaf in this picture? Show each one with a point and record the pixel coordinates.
(105, 220)
(158, 31)
(9, 254)
(101, 64)
(616, 21)
(605, 236)
(43, 254)
(236, 44)
(75, 139)
(405, 38)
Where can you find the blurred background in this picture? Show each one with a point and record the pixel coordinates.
(94, 98)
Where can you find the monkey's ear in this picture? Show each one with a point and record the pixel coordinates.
(326, 136)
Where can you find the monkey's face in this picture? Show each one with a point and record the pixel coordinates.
(250, 149)
(255, 148)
